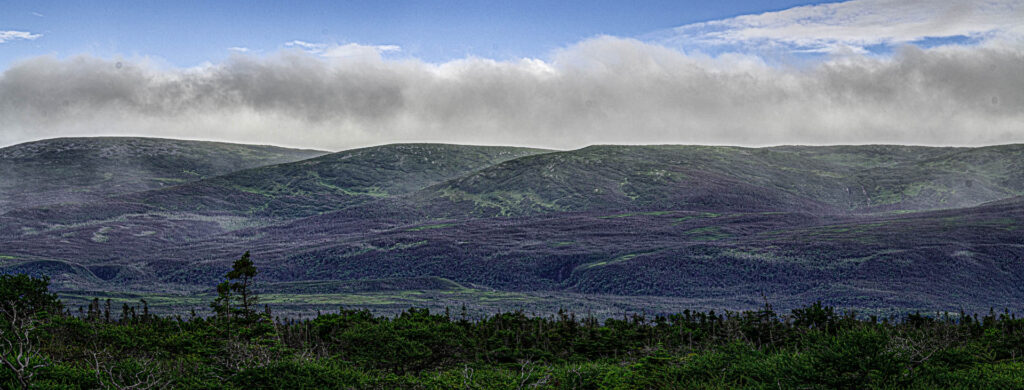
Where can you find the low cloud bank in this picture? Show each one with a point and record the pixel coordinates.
(602, 90)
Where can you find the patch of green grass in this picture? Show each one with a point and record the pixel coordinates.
(404, 245)
(251, 190)
(502, 201)
(616, 260)
(398, 246)
(828, 174)
(708, 233)
(82, 298)
(914, 189)
(1008, 224)
(664, 175)
(903, 211)
(428, 227)
(758, 254)
(654, 213)
(329, 299)
(695, 216)
(169, 180)
(624, 187)
(374, 191)
(7, 257)
(100, 235)
(884, 196)
(301, 302)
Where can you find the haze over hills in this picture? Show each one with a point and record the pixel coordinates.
(65, 170)
(876, 227)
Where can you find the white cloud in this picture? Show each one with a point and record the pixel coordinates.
(350, 50)
(38, 14)
(357, 50)
(238, 49)
(307, 46)
(10, 35)
(852, 26)
(602, 90)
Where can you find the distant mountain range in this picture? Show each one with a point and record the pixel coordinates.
(874, 227)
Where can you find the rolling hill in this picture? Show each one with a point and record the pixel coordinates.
(829, 180)
(875, 227)
(69, 170)
(285, 191)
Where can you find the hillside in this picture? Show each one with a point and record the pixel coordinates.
(875, 227)
(139, 222)
(291, 190)
(66, 170)
(936, 260)
(330, 182)
(830, 180)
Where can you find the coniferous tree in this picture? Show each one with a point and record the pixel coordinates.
(241, 275)
(221, 305)
(145, 310)
(93, 315)
(106, 311)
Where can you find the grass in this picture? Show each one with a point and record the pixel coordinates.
(100, 235)
(174, 180)
(653, 213)
(428, 227)
(620, 259)
(306, 305)
(374, 191)
(506, 203)
(402, 245)
(696, 216)
(708, 233)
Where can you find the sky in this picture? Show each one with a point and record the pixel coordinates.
(558, 74)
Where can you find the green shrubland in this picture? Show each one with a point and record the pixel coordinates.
(47, 346)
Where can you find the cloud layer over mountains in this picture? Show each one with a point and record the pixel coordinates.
(602, 90)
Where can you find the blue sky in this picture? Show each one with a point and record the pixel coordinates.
(557, 74)
(188, 33)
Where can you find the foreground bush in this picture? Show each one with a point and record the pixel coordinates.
(45, 346)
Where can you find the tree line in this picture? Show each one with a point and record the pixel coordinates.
(239, 346)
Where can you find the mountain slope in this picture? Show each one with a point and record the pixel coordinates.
(254, 197)
(67, 170)
(850, 179)
(341, 179)
(877, 226)
(943, 259)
